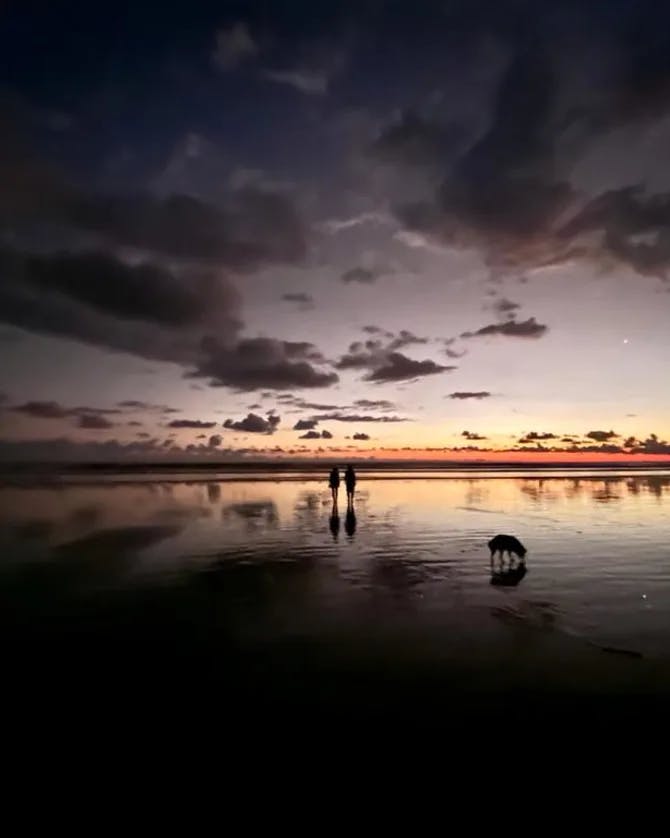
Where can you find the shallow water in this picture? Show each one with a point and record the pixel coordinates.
(269, 562)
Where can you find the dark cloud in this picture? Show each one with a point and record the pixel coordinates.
(467, 394)
(326, 435)
(634, 228)
(373, 404)
(534, 436)
(416, 141)
(135, 404)
(130, 292)
(453, 353)
(383, 360)
(472, 436)
(511, 328)
(310, 435)
(398, 367)
(360, 436)
(254, 228)
(43, 410)
(651, 445)
(375, 330)
(305, 424)
(93, 421)
(405, 338)
(505, 308)
(305, 301)
(135, 424)
(234, 45)
(214, 441)
(253, 424)
(346, 417)
(96, 298)
(262, 362)
(601, 436)
(365, 276)
(190, 423)
(88, 417)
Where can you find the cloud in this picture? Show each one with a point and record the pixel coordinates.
(511, 328)
(601, 436)
(505, 308)
(233, 46)
(136, 404)
(405, 338)
(262, 362)
(651, 445)
(255, 228)
(467, 394)
(305, 424)
(416, 141)
(326, 435)
(93, 421)
(398, 367)
(374, 404)
(472, 436)
(253, 424)
(190, 423)
(304, 301)
(376, 330)
(214, 441)
(534, 436)
(95, 298)
(386, 364)
(365, 276)
(360, 436)
(43, 410)
(310, 435)
(87, 417)
(356, 417)
(635, 228)
(310, 82)
(247, 228)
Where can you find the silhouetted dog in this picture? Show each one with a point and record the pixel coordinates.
(507, 543)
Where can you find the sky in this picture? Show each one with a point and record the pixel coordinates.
(337, 230)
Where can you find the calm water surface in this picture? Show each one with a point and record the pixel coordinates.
(274, 563)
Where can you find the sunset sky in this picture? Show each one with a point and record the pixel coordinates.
(390, 229)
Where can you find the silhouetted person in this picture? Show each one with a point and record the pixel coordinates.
(334, 483)
(350, 482)
(350, 522)
(335, 525)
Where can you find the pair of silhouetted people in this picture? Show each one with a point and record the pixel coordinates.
(349, 482)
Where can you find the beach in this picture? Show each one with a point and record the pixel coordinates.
(243, 589)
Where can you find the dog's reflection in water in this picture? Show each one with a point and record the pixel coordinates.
(510, 575)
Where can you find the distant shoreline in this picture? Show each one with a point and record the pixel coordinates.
(311, 466)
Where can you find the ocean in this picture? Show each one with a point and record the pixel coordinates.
(244, 584)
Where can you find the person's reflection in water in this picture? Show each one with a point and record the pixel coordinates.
(350, 522)
(350, 482)
(335, 524)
